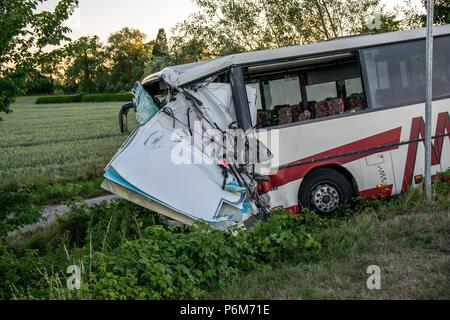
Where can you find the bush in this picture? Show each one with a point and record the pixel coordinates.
(108, 97)
(59, 99)
(125, 253)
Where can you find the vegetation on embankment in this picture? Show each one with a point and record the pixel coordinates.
(408, 239)
(126, 252)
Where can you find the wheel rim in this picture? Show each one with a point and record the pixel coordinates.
(325, 197)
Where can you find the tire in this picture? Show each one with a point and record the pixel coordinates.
(324, 191)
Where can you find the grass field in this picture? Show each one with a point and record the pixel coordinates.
(411, 247)
(128, 254)
(44, 144)
(55, 153)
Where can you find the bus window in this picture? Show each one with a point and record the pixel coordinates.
(284, 91)
(441, 73)
(316, 91)
(396, 73)
(322, 91)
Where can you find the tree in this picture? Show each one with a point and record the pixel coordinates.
(441, 11)
(229, 26)
(128, 53)
(86, 68)
(24, 35)
(160, 57)
(182, 51)
(160, 47)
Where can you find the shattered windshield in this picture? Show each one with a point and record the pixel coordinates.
(146, 107)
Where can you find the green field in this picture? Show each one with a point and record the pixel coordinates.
(50, 154)
(43, 144)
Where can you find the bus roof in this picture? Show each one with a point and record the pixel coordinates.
(189, 73)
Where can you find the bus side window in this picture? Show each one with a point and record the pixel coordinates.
(311, 92)
(396, 73)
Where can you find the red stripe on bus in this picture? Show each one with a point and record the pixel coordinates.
(418, 131)
(378, 192)
(287, 175)
(294, 209)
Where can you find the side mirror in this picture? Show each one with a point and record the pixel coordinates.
(123, 116)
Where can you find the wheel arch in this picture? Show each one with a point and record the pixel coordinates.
(336, 167)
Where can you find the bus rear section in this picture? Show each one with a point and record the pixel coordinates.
(351, 123)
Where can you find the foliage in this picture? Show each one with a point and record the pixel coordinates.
(37, 83)
(25, 33)
(128, 54)
(128, 254)
(87, 98)
(160, 57)
(441, 12)
(86, 65)
(223, 27)
(402, 234)
(23, 205)
(59, 99)
(111, 97)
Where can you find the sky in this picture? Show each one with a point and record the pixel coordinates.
(103, 17)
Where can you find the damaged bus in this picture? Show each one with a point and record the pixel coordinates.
(306, 126)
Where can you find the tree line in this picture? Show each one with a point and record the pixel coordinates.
(219, 27)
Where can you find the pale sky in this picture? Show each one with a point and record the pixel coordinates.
(103, 17)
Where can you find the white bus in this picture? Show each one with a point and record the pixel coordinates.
(349, 113)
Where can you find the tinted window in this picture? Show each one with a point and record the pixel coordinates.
(284, 91)
(396, 73)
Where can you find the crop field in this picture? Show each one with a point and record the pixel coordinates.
(55, 153)
(43, 144)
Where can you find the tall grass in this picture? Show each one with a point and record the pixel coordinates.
(126, 252)
(57, 143)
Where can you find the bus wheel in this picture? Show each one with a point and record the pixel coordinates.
(324, 191)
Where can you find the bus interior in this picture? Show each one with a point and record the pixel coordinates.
(295, 91)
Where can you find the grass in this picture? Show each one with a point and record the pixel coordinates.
(408, 240)
(126, 253)
(47, 144)
(50, 154)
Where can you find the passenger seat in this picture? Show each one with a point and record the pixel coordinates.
(355, 102)
(330, 107)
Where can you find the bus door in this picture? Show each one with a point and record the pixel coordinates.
(379, 178)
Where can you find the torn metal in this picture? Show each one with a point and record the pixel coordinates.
(188, 160)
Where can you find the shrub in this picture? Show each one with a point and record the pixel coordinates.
(108, 97)
(59, 99)
(126, 253)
